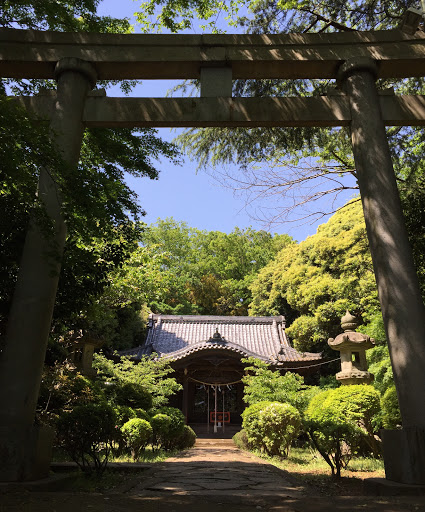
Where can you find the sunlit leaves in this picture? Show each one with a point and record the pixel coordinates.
(320, 278)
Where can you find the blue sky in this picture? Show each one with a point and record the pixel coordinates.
(183, 192)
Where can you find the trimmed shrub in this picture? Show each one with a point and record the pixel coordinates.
(360, 403)
(123, 414)
(280, 425)
(175, 429)
(160, 425)
(136, 433)
(251, 423)
(338, 420)
(241, 440)
(186, 439)
(86, 434)
(271, 426)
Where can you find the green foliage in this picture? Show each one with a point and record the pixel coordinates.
(134, 395)
(151, 374)
(62, 388)
(67, 16)
(339, 420)
(142, 414)
(361, 404)
(170, 438)
(261, 384)
(241, 440)
(186, 439)
(123, 413)
(177, 15)
(177, 419)
(271, 426)
(321, 278)
(334, 435)
(161, 426)
(391, 417)
(137, 433)
(188, 271)
(86, 433)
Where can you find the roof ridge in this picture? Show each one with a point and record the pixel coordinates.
(218, 319)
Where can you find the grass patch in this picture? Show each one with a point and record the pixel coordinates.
(309, 460)
(148, 455)
(307, 467)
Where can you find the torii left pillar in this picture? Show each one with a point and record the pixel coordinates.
(24, 447)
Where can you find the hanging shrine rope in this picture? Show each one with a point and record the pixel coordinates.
(215, 383)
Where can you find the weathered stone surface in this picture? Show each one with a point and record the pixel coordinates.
(404, 455)
(231, 112)
(142, 56)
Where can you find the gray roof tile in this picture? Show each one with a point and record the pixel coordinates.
(175, 336)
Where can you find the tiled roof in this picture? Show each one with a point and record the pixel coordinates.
(176, 337)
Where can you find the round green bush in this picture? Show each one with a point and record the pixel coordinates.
(177, 419)
(333, 423)
(250, 423)
(186, 439)
(241, 440)
(175, 429)
(271, 426)
(136, 433)
(160, 425)
(87, 433)
(280, 425)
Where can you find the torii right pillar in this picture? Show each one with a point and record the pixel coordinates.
(398, 288)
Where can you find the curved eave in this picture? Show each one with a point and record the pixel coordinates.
(296, 359)
(202, 348)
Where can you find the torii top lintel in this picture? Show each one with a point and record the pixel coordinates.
(34, 54)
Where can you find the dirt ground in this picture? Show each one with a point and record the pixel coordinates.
(212, 476)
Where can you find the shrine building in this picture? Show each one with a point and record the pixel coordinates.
(206, 354)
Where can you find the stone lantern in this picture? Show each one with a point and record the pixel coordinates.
(82, 355)
(352, 345)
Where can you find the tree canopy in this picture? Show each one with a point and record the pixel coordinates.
(320, 279)
(102, 212)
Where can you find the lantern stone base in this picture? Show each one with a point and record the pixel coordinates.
(404, 455)
(354, 377)
(25, 454)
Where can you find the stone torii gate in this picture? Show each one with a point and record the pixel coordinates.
(354, 59)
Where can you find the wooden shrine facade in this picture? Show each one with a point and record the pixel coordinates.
(206, 353)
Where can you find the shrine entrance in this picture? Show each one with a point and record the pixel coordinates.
(216, 406)
(354, 59)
